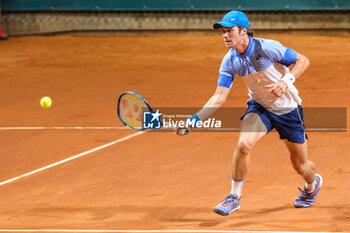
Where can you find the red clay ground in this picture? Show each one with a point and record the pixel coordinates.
(156, 180)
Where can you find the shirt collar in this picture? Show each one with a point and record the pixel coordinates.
(249, 50)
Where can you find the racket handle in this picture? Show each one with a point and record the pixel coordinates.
(185, 131)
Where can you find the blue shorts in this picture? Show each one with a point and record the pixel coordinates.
(290, 126)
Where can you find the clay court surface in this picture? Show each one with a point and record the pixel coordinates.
(156, 181)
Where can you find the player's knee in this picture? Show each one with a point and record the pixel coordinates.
(299, 170)
(303, 168)
(243, 147)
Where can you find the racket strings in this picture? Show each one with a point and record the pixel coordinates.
(131, 110)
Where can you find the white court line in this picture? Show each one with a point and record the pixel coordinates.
(159, 231)
(326, 129)
(71, 158)
(117, 128)
(62, 127)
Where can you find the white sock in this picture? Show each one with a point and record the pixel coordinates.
(313, 184)
(236, 188)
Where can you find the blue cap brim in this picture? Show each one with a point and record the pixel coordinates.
(218, 25)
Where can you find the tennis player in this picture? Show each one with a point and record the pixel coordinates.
(274, 103)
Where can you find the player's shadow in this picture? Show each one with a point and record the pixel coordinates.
(176, 216)
(270, 210)
(246, 218)
(200, 216)
(184, 216)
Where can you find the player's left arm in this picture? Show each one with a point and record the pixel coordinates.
(300, 65)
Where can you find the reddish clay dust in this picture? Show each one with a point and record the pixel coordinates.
(156, 181)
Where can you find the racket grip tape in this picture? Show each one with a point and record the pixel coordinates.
(185, 131)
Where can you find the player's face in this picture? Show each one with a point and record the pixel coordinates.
(232, 36)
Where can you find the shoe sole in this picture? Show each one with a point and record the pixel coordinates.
(218, 211)
(321, 181)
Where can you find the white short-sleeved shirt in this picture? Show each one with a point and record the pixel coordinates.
(264, 62)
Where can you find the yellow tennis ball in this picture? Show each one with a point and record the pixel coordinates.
(46, 102)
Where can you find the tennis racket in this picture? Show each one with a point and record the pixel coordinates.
(131, 107)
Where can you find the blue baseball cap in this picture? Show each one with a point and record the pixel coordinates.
(232, 19)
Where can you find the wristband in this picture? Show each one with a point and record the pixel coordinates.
(288, 78)
(195, 117)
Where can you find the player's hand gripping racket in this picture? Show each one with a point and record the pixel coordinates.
(131, 107)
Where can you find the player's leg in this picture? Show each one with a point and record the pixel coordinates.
(302, 165)
(290, 126)
(252, 129)
(306, 169)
